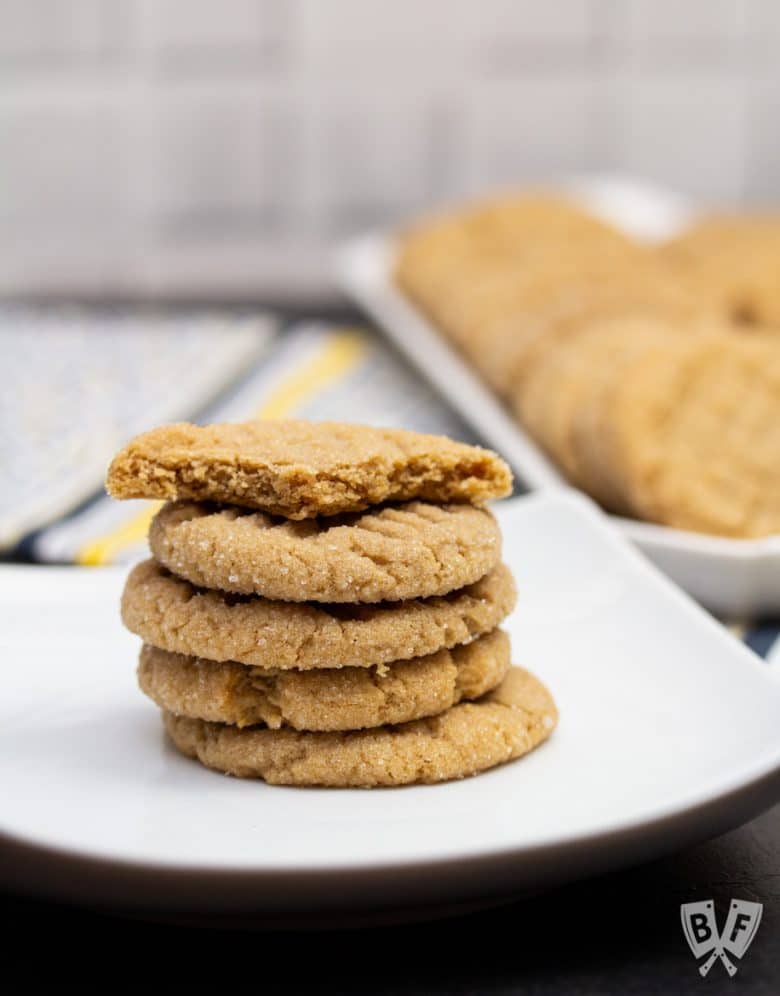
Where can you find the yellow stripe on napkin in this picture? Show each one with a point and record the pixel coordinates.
(338, 357)
(102, 551)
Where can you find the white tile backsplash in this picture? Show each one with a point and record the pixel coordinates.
(365, 41)
(370, 157)
(61, 163)
(763, 156)
(201, 32)
(53, 29)
(183, 146)
(527, 130)
(220, 159)
(690, 134)
(502, 29)
(661, 30)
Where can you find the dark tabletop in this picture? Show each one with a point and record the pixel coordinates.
(616, 934)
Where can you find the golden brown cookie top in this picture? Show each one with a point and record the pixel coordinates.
(170, 613)
(301, 469)
(349, 698)
(470, 737)
(734, 260)
(694, 434)
(395, 552)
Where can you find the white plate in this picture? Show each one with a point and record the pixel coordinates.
(738, 577)
(668, 734)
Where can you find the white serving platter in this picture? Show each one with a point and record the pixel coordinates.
(667, 735)
(734, 577)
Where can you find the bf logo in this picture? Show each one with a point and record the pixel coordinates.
(701, 932)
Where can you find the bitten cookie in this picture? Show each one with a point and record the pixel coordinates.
(413, 550)
(466, 739)
(349, 698)
(300, 469)
(170, 613)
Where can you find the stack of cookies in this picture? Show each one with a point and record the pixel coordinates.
(324, 601)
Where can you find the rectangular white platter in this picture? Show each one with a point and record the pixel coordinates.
(733, 577)
(668, 734)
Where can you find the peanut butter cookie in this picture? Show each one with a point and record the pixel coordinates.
(349, 698)
(387, 554)
(172, 614)
(735, 261)
(687, 433)
(466, 739)
(300, 469)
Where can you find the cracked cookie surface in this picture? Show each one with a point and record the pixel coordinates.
(389, 554)
(471, 737)
(349, 698)
(172, 614)
(301, 469)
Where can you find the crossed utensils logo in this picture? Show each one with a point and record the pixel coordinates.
(701, 932)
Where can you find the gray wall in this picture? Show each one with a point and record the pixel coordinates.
(189, 147)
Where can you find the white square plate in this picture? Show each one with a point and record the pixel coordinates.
(737, 577)
(668, 734)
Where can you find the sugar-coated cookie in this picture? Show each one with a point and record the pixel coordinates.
(413, 550)
(466, 739)
(170, 613)
(350, 698)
